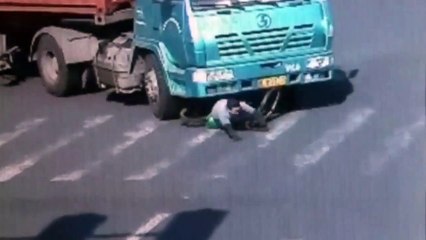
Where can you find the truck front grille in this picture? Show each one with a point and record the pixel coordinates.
(269, 40)
(265, 41)
(231, 45)
(301, 37)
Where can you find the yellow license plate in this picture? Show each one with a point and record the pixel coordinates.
(273, 82)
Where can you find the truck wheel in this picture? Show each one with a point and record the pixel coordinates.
(58, 78)
(164, 105)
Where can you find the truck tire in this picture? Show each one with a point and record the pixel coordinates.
(164, 105)
(58, 78)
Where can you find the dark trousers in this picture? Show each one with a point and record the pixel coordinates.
(239, 121)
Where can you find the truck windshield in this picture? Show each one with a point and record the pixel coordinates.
(240, 4)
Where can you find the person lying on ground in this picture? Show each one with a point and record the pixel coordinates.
(230, 115)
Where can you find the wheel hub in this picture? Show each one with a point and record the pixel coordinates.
(151, 85)
(50, 67)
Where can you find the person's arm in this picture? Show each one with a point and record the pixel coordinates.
(227, 127)
(247, 107)
(258, 117)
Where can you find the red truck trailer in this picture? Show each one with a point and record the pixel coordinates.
(103, 11)
(61, 35)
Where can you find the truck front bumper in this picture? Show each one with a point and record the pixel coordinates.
(210, 82)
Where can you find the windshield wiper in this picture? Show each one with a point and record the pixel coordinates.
(236, 4)
(273, 3)
(222, 6)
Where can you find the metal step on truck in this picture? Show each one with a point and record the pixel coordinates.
(170, 49)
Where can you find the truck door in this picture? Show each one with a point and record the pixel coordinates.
(163, 22)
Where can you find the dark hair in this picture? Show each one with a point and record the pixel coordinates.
(232, 103)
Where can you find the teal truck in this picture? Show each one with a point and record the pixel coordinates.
(174, 50)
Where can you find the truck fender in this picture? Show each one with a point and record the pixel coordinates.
(149, 48)
(160, 50)
(77, 46)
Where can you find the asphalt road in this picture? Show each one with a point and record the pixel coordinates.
(353, 169)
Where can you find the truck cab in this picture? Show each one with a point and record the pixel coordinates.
(210, 48)
(171, 49)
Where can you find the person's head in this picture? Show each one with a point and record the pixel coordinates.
(233, 106)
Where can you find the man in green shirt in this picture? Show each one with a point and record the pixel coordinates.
(230, 114)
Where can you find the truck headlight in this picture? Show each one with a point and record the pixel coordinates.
(328, 26)
(203, 76)
(199, 76)
(319, 62)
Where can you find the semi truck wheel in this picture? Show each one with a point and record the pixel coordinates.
(163, 104)
(58, 78)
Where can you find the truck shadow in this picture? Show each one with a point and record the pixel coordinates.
(12, 78)
(137, 98)
(69, 227)
(194, 225)
(78, 227)
(318, 95)
(324, 94)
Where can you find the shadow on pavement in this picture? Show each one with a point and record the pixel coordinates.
(191, 225)
(20, 72)
(70, 227)
(324, 94)
(317, 95)
(137, 98)
(74, 227)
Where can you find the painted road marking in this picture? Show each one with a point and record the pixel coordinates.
(157, 168)
(20, 129)
(332, 138)
(96, 121)
(239, 158)
(148, 226)
(151, 172)
(131, 137)
(143, 130)
(281, 127)
(400, 139)
(15, 169)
